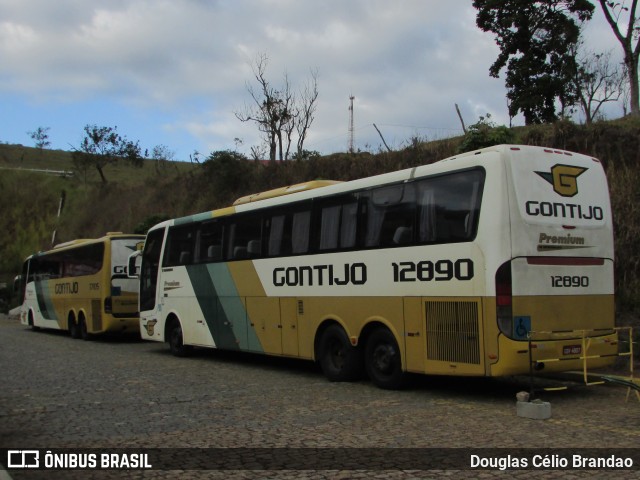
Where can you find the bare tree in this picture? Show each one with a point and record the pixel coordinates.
(306, 111)
(41, 137)
(278, 112)
(598, 81)
(162, 156)
(616, 14)
(257, 152)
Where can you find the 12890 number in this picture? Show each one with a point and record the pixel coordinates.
(427, 271)
(568, 281)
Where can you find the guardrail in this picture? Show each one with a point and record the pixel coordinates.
(57, 173)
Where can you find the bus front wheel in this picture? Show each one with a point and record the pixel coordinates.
(176, 340)
(383, 361)
(31, 323)
(339, 360)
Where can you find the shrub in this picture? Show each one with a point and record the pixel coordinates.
(485, 133)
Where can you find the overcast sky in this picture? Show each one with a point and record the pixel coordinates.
(175, 72)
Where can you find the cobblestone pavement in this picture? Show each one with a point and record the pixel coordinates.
(56, 392)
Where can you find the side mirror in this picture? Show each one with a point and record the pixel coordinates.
(133, 266)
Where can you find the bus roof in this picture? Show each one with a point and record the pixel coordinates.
(81, 241)
(278, 192)
(321, 188)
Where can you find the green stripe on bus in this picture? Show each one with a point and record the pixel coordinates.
(223, 309)
(45, 304)
(193, 218)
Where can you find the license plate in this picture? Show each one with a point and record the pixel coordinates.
(572, 350)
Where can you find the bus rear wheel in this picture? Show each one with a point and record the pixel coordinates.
(339, 360)
(74, 329)
(84, 333)
(176, 340)
(383, 361)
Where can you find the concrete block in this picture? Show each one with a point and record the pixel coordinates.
(536, 410)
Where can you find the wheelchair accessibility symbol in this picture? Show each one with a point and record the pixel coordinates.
(521, 327)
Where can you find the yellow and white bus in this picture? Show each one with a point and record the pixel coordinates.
(82, 286)
(446, 268)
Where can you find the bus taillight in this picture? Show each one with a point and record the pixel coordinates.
(504, 311)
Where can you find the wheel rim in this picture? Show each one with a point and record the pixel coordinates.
(384, 356)
(336, 354)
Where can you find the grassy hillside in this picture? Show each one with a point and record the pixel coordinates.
(29, 200)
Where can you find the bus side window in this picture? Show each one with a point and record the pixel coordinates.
(210, 242)
(449, 207)
(279, 241)
(180, 246)
(390, 216)
(83, 261)
(338, 223)
(300, 229)
(244, 238)
(289, 233)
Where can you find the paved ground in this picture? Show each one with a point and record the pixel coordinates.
(56, 392)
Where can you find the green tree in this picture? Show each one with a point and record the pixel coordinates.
(225, 174)
(535, 38)
(485, 133)
(104, 146)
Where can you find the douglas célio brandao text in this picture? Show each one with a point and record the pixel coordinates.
(550, 461)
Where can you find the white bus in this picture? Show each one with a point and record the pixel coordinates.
(82, 286)
(450, 268)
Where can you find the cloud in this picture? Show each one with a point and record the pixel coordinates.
(184, 65)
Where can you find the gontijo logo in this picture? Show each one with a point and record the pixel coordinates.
(564, 179)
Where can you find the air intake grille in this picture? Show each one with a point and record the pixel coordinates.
(452, 332)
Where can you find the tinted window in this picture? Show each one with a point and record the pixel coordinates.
(289, 232)
(180, 246)
(149, 269)
(86, 260)
(389, 216)
(338, 223)
(83, 261)
(449, 207)
(210, 242)
(244, 238)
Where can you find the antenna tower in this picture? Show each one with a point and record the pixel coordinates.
(351, 124)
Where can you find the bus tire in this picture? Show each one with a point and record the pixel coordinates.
(176, 340)
(84, 333)
(74, 328)
(383, 361)
(31, 322)
(340, 361)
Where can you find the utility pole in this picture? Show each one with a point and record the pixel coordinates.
(63, 197)
(350, 146)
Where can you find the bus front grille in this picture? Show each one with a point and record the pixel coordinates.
(452, 331)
